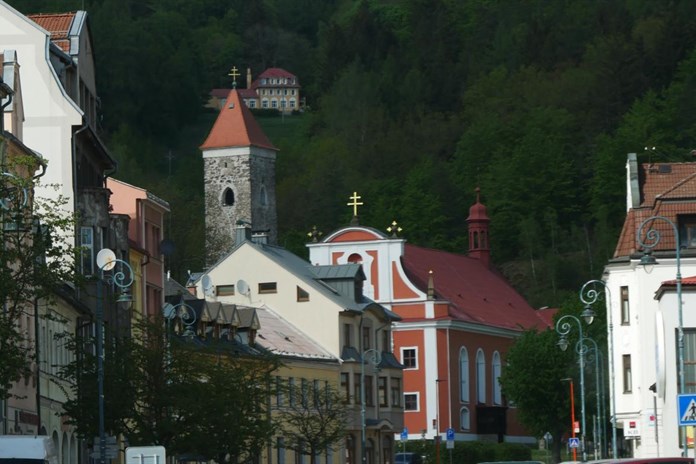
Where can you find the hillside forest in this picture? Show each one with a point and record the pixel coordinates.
(413, 104)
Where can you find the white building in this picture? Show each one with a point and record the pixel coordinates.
(644, 313)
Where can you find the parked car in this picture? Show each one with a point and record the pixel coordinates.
(409, 458)
(27, 449)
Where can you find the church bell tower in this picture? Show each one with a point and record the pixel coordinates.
(239, 176)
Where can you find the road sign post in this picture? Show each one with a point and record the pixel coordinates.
(404, 439)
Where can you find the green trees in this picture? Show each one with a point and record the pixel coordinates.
(34, 260)
(315, 421)
(196, 399)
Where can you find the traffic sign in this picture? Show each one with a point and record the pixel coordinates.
(687, 409)
(450, 434)
(146, 455)
(574, 442)
(404, 434)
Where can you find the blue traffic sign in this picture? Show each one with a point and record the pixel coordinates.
(574, 442)
(450, 434)
(687, 409)
(404, 434)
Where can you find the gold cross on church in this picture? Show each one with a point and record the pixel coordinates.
(355, 203)
(234, 72)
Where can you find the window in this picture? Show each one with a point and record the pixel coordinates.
(87, 250)
(395, 391)
(252, 103)
(497, 395)
(410, 401)
(293, 104)
(386, 341)
(264, 103)
(689, 358)
(224, 290)
(382, 392)
(347, 335)
(480, 377)
(263, 196)
(409, 358)
(627, 379)
(463, 375)
(291, 391)
(356, 389)
(687, 231)
(369, 390)
(268, 287)
(305, 393)
(228, 197)
(366, 338)
(274, 103)
(279, 391)
(280, 446)
(345, 387)
(464, 419)
(625, 308)
(302, 295)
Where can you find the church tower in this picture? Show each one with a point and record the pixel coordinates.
(478, 222)
(239, 176)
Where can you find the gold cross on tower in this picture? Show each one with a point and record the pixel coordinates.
(355, 203)
(234, 72)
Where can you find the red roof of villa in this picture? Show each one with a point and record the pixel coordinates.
(58, 25)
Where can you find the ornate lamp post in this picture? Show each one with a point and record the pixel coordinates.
(563, 327)
(583, 349)
(185, 313)
(106, 260)
(374, 357)
(589, 295)
(652, 237)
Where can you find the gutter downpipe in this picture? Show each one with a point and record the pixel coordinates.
(37, 338)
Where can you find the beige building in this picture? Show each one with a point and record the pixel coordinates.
(326, 304)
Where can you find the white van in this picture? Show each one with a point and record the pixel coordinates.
(27, 449)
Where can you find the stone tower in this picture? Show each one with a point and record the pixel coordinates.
(239, 175)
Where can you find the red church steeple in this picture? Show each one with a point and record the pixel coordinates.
(478, 231)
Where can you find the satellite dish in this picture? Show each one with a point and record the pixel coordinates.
(243, 287)
(207, 283)
(106, 259)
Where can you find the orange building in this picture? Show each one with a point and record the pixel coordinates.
(459, 317)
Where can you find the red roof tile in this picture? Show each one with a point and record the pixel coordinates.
(58, 25)
(276, 72)
(667, 190)
(476, 293)
(235, 126)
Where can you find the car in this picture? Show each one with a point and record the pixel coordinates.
(409, 458)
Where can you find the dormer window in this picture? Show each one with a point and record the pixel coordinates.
(687, 231)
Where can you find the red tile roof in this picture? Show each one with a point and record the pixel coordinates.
(667, 190)
(58, 25)
(476, 293)
(235, 126)
(276, 72)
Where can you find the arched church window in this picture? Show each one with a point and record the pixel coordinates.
(228, 197)
(355, 258)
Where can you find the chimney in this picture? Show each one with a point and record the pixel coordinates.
(632, 189)
(478, 231)
(431, 286)
(242, 233)
(260, 237)
(248, 78)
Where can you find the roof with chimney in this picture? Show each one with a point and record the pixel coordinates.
(235, 126)
(663, 189)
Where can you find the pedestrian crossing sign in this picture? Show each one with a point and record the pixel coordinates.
(574, 442)
(687, 409)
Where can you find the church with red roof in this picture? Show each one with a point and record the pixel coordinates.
(458, 315)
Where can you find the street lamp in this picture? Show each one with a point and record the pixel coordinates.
(652, 237)
(589, 295)
(581, 348)
(563, 329)
(106, 260)
(185, 313)
(374, 357)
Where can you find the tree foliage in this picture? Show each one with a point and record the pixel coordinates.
(413, 104)
(196, 399)
(35, 259)
(314, 420)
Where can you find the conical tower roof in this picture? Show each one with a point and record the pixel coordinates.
(235, 126)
